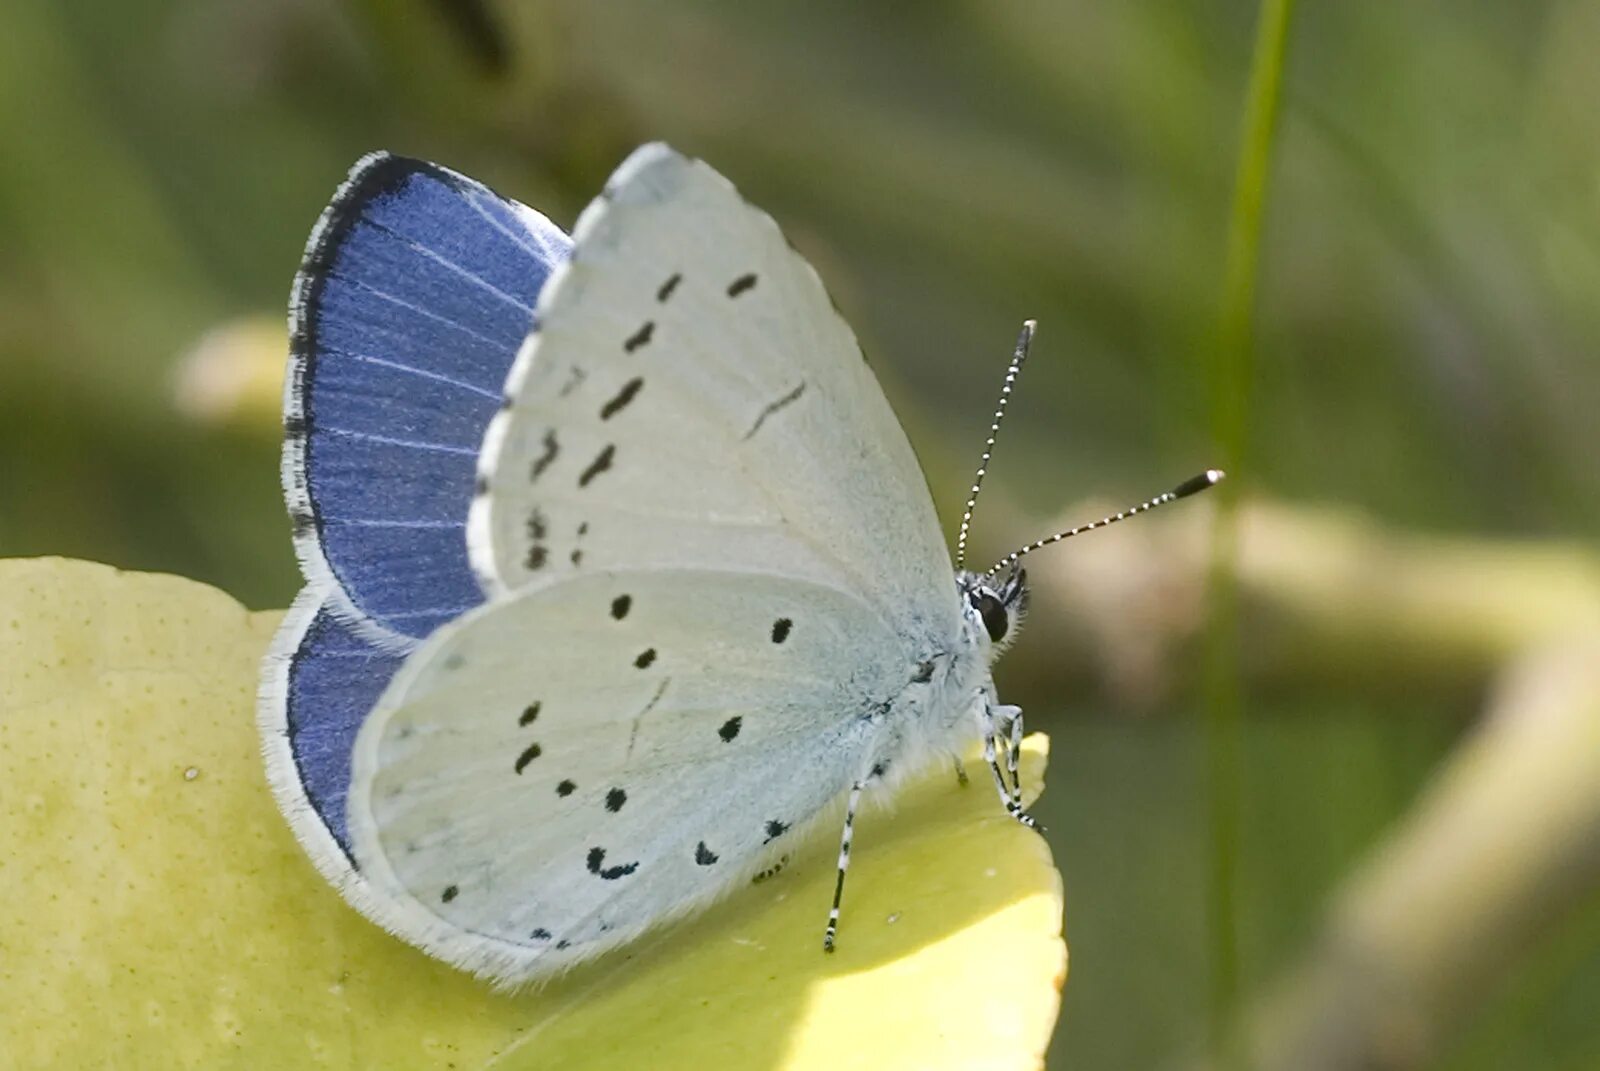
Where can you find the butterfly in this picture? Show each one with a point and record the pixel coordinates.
(620, 569)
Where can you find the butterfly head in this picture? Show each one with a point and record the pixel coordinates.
(994, 609)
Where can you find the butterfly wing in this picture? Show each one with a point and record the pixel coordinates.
(691, 398)
(319, 680)
(556, 771)
(417, 289)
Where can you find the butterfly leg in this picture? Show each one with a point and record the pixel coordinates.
(1010, 795)
(1003, 753)
(844, 865)
(961, 773)
(1013, 757)
(1014, 749)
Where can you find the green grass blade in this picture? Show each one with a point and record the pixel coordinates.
(1232, 377)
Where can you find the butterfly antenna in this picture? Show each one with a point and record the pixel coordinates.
(1193, 485)
(1017, 357)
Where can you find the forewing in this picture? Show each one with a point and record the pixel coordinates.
(559, 770)
(692, 398)
(417, 289)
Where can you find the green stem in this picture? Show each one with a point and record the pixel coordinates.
(1233, 376)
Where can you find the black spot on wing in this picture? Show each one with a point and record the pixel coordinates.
(537, 528)
(615, 799)
(563, 944)
(531, 752)
(575, 557)
(771, 871)
(775, 829)
(566, 788)
(646, 656)
(596, 861)
(541, 934)
(730, 729)
(669, 286)
(640, 337)
(621, 398)
(552, 450)
(780, 629)
(536, 558)
(601, 463)
(529, 713)
(620, 606)
(924, 673)
(450, 892)
(773, 407)
(703, 855)
(612, 873)
(741, 284)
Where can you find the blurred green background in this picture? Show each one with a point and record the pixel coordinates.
(1428, 316)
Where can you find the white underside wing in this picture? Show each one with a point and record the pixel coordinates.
(554, 773)
(692, 398)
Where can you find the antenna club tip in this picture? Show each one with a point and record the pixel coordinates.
(1196, 484)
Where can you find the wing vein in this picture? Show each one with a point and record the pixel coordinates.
(389, 440)
(419, 310)
(451, 265)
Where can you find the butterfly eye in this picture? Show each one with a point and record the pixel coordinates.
(993, 612)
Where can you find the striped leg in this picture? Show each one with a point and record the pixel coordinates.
(1010, 795)
(961, 773)
(844, 864)
(994, 768)
(1003, 752)
(1014, 753)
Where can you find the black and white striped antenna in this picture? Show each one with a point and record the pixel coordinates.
(1017, 357)
(1193, 485)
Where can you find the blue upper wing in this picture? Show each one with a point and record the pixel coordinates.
(320, 680)
(416, 291)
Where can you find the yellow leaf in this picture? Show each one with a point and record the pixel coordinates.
(158, 913)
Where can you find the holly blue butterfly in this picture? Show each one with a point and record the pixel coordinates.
(620, 570)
